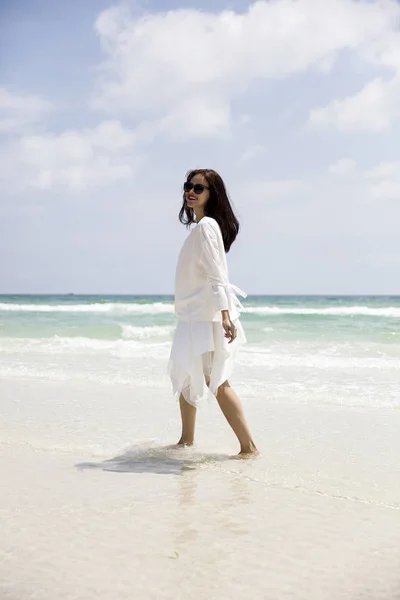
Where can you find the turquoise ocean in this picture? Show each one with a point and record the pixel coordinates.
(335, 349)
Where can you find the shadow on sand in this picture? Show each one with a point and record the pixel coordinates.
(164, 460)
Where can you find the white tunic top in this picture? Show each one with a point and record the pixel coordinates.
(202, 288)
(202, 291)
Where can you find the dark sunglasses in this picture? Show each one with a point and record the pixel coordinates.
(198, 188)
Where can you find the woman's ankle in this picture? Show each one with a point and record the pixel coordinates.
(248, 448)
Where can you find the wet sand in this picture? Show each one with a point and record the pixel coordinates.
(315, 517)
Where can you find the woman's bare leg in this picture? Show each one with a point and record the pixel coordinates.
(188, 417)
(233, 412)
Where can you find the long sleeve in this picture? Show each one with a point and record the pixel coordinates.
(212, 258)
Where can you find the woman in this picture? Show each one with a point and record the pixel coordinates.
(208, 331)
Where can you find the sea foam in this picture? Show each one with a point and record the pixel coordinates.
(107, 307)
(342, 311)
(156, 308)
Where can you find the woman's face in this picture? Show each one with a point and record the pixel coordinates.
(199, 194)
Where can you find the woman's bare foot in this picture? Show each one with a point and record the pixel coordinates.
(251, 454)
(248, 451)
(183, 443)
(246, 455)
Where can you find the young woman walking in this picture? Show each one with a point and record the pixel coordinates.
(208, 330)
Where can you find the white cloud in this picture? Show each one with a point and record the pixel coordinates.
(358, 202)
(17, 110)
(177, 73)
(386, 190)
(377, 105)
(380, 183)
(384, 170)
(371, 109)
(197, 117)
(159, 64)
(383, 181)
(75, 159)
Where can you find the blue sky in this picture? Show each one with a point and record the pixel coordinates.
(104, 107)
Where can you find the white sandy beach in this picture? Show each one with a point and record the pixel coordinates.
(316, 517)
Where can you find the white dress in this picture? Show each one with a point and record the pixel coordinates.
(202, 291)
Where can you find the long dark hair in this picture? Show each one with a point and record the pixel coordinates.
(218, 207)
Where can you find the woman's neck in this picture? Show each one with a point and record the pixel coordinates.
(199, 216)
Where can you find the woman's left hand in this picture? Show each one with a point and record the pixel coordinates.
(230, 329)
